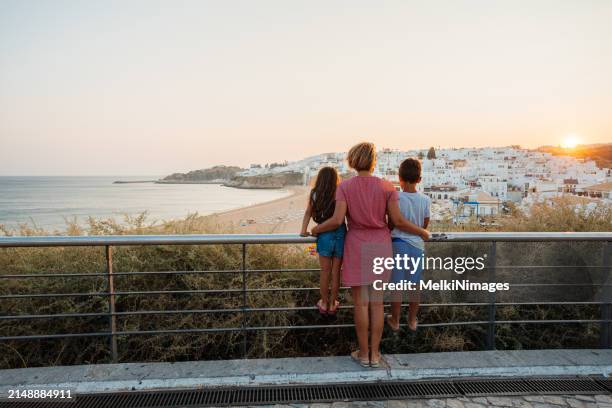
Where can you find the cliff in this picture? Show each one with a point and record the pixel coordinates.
(217, 174)
(266, 181)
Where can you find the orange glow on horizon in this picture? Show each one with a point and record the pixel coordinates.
(570, 141)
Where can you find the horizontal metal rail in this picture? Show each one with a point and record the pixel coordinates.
(286, 328)
(104, 275)
(249, 239)
(284, 309)
(238, 290)
(237, 271)
(242, 240)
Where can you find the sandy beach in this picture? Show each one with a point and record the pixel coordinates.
(281, 215)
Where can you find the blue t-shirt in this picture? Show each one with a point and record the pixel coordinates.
(415, 207)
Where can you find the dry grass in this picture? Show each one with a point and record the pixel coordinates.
(275, 343)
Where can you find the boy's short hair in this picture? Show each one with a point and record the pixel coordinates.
(362, 156)
(410, 170)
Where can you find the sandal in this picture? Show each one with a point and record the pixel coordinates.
(333, 311)
(375, 364)
(393, 329)
(355, 357)
(322, 310)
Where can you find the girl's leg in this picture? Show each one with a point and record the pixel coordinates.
(335, 281)
(326, 266)
(377, 321)
(361, 316)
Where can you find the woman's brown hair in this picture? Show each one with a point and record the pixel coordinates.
(362, 156)
(323, 195)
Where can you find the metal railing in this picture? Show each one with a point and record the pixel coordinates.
(108, 242)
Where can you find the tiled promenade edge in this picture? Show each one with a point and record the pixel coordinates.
(197, 374)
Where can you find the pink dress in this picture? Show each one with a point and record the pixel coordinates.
(368, 235)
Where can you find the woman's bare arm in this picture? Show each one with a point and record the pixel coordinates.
(306, 219)
(398, 220)
(334, 222)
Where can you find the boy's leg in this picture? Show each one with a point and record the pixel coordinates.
(326, 266)
(415, 295)
(396, 295)
(396, 309)
(412, 315)
(335, 280)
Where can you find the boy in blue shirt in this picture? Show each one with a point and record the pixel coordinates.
(415, 207)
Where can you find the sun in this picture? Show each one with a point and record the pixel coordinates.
(570, 141)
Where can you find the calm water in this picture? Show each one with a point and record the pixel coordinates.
(47, 201)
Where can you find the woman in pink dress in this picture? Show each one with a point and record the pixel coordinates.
(366, 201)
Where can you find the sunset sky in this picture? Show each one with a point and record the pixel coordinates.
(152, 87)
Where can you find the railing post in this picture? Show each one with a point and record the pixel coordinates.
(606, 307)
(492, 298)
(244, 302)
(111, 302)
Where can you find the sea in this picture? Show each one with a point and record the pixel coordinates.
(47, 202)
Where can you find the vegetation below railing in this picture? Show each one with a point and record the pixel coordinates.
(273, 343)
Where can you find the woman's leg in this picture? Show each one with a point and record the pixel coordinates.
(335, 280)
(326, 266)
(377, 321)
(361, 316)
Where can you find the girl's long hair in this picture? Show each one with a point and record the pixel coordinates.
(323, 195)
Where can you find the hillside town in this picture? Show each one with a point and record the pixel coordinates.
(476, 183)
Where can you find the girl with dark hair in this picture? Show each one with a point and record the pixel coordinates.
(330, 244)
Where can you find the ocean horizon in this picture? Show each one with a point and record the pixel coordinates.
(49, 202)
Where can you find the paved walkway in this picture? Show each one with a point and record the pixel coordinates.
(528, 401)
(312, 370)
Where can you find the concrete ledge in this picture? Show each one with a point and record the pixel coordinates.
(198, 374)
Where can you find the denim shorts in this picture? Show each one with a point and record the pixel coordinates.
(331, 243)
(403, 248)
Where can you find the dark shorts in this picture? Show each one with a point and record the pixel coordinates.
(331, 243)
(403, 248)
